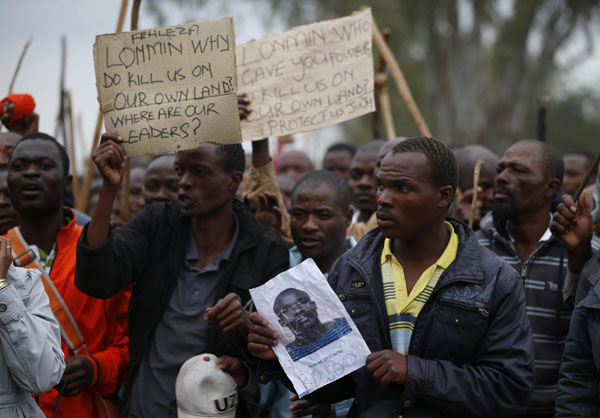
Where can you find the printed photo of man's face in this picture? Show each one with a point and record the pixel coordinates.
(296, 311)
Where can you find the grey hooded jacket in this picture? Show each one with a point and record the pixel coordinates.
(32, 360)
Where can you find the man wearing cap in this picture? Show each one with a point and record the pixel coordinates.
(17, 113)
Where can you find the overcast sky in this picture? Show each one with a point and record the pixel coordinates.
(81, 20)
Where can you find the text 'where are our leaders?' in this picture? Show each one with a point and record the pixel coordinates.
(169, 88)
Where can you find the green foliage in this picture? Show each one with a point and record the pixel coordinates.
(573, 122)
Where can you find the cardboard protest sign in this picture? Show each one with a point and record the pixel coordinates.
(309, 77)
(318, 341)
(169, 88)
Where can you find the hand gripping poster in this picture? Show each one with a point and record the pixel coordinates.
(318, 341)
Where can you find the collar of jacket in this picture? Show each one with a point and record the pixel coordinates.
(466, 267)
(498, 231)
(248, 236)
(66, 241)
(249, 229)
(365, 258)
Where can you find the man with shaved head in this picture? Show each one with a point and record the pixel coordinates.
(294, 163)
(338, 158)
(362, 182)
(161, 183)
(528, 179)
(8, 140)
(577, 165)
(466, 159)
(359, 229)
(8, 216)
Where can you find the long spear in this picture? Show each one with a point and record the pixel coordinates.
(14, 77)
(89, 174)
(69, 111)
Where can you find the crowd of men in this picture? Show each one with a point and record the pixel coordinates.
(99, 313)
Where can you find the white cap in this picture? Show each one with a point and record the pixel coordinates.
(204, 390)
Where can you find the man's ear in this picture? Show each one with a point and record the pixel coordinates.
(552, 188)
(445, 196)
(348, 217)
(68, 182)
(236, 179)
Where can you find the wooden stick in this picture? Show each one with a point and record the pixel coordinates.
(80, 137)
(586, 178)
(383, 95)
(14, 77)
(379, 73)
(135, 14)
(386, 112)
(89, 174)
(476, 172)
(122, 13)
(400, 81)
(69, 112)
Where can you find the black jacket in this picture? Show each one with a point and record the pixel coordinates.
(471, 351)
(579, 383)
(150, 250)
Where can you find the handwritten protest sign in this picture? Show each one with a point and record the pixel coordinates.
(318, 341)
(169, 88)
(309, 77)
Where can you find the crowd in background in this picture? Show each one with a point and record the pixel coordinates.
(99, 312)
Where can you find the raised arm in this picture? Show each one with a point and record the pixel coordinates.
(572, 227)
(108, 262)
(110, 159)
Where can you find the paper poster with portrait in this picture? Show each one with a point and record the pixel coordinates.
(318, 341)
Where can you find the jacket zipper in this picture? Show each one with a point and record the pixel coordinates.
(482, 311)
